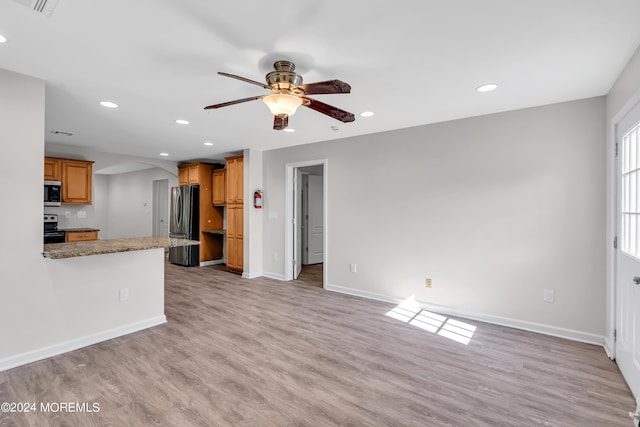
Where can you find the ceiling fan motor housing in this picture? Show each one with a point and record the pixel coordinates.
(284, 76)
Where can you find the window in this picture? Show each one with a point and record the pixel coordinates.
(630, 186)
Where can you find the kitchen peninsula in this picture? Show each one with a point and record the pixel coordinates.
(99, 290)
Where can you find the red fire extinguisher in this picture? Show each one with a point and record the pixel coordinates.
(257, 199)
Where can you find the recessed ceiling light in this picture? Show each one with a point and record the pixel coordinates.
(367, 114)
(182, 122)
(487, 87)
(108, 104)
(290, 130)
(164, 154)
(209, 144)
(2, 38)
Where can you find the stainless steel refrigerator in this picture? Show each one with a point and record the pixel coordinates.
(185, 224)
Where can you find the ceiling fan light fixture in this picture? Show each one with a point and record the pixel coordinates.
(280, 103)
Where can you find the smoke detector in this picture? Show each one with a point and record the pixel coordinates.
(41, 6)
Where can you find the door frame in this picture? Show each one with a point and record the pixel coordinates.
(288, 229)
(612, 225)
(159, 197)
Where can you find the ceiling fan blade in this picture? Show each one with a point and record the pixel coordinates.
(329, 110)
(280, 121)
(244, 79)
(326, 87)
(237, 101)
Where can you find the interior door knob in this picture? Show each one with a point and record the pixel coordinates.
(636, 280)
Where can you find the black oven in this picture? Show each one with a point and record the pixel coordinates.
(52, 193)
(51, 233)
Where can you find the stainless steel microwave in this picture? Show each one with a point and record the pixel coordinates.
(52, 193)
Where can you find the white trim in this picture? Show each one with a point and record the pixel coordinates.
(276, 276)
(487, 318)
(246, 275)
(64, 347)
(212, 262)
(610, 348)
(612, 224)
(288, 233)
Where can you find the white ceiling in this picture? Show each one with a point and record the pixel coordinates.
(411, 62)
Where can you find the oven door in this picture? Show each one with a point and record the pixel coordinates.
(54, 237)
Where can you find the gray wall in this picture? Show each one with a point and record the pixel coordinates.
(494, 209)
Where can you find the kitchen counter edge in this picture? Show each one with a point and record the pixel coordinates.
(100, 247)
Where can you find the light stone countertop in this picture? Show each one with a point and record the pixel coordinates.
(100, 247)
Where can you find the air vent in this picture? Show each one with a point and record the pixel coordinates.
(61, 132)
(41, 6)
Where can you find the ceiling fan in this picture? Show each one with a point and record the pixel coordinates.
(289, 93)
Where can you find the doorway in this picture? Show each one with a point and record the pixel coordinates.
(627, 252)
(306, 216)
(160, 202)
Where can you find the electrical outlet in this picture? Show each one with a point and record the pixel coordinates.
(82, 214)
(67, 214)
(548, 295)
(124, 294)
(428, 282)
(353, 268)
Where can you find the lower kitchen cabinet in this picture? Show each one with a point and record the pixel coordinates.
(80, 236)
(235, 238)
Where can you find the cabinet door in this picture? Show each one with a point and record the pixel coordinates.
(218, 196)
(193, 174)
(52, 170)
(183, 176)
(235, 232)
(239, 190)
(76, 182)
(231, 181)
(239, 241)
(231, 237)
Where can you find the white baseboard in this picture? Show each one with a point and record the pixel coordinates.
(212, 262)
(488, 318)
(275, 276)
(64, 347)
(609, 347)
(246, 275)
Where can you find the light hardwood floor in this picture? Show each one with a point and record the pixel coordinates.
(260, 352)
(311, 274)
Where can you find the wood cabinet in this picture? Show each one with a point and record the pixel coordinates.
(52, 169)
(235, 238)
(76, 177)
(235, 180)
(218, 185)
(211, 217)
(191, 174)
(80, 236)
(234, 198)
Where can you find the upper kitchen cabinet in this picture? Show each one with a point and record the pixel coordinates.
(52, 169)
(235, 180)
(76, 177)
(194, 173)
(218, 196)
(76, 180)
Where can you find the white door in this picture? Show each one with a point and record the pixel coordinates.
(297, 223)
(161, 207)
(315, 223)
(628, 250)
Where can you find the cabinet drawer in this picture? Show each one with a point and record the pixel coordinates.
(81, 236)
